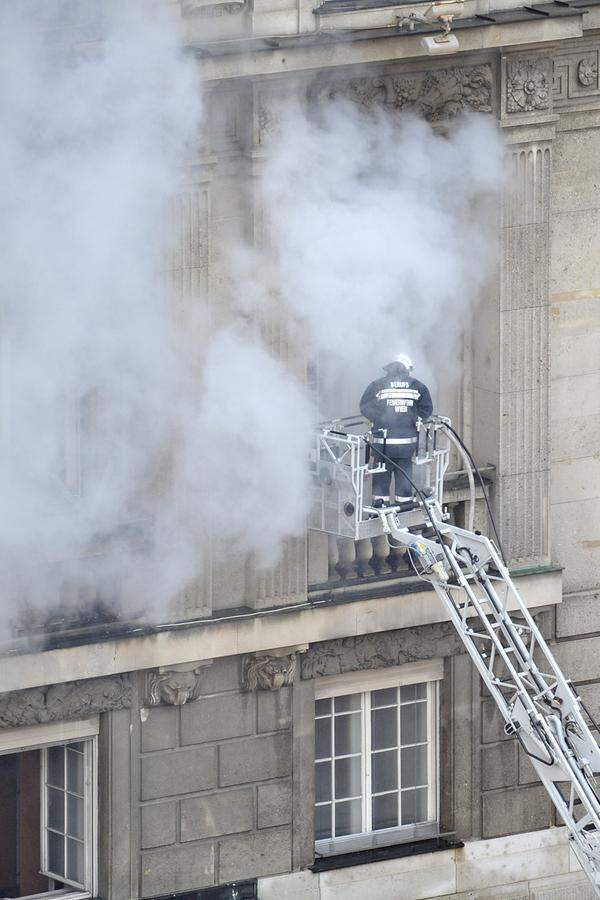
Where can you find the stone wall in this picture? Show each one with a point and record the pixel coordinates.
(215, 796)
(533, 866)
(575, 321)
(513, 799)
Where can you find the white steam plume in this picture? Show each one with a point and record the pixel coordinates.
(114, 452)
(380, 239)
(122, 447)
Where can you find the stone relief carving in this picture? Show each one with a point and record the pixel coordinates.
(174, 688)
(210, 8)
(435, 95)
(575, 74)
(527, 85)
(587, 72)
(72, 700)
(268, 673)
(393, 648)
(267, 119)
(376, 651)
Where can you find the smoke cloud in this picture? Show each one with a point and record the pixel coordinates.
(382, 235)
(129, 450)
(111, 444)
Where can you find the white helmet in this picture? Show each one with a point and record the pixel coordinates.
(401, 359)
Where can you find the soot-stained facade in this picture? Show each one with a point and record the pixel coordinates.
(238, 749)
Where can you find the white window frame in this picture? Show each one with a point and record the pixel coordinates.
(42, 737)
(332, 686)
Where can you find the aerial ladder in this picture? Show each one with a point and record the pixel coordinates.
(539, 705)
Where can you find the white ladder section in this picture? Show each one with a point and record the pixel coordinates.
(539, 706)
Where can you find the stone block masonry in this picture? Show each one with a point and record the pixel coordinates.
(215, 795)
(512, 798)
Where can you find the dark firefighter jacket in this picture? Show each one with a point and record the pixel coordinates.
(394, 403)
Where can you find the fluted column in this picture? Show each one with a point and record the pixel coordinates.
(511, 356)
(191, 271)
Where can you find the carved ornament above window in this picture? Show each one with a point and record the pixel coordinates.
(268, 673)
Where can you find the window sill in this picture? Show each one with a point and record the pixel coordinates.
(379, 854)
(65, 894)
(385, 837)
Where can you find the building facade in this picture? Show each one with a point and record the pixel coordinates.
(317, 732)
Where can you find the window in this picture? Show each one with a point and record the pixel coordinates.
(376, 759)
(48, 793)
(67, 813)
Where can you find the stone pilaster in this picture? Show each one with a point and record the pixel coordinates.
(522, 496)
(192, 269)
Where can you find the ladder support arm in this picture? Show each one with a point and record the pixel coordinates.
(539, 705)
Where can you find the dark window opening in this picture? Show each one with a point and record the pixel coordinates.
(20, 856)
(46, 824)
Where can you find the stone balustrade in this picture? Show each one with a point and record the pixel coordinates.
(373, 558)
(366, 558)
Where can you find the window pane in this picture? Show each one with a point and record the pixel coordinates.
(56, 809)
(322, 707)
(414, 806)
(347, 702)
(385, 697)
(74, 860)
(384, 771)
(347, 734)
(384, 731)
(413, 723)
(323, 781)
(348, 777)
(322, 738)
(78, 747)
(322, 822)
(348, 818)
(413, 766)
(411, 692)
(75, 816)
(56, 853)
(75, 771)
(56, 767)
(385, 811)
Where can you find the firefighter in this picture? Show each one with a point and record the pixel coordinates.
(393, 404)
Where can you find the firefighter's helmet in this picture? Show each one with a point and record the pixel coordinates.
(403, 360)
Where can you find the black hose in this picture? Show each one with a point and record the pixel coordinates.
(533, 755)
(483, 488)
(421, 497)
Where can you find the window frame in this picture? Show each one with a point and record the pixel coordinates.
(430, 672)
(90, 792)
(43, 737)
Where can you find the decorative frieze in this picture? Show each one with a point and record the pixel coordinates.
(587, 71)
(576, 81)
(271, 105)
(268, 673)
(528, 84)
(435, 95)
(174, 687)
(210, 8)
(61, 702)
(376, 651)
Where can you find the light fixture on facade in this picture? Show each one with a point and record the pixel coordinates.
(442, 14)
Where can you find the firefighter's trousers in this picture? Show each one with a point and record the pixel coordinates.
(401, 467)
